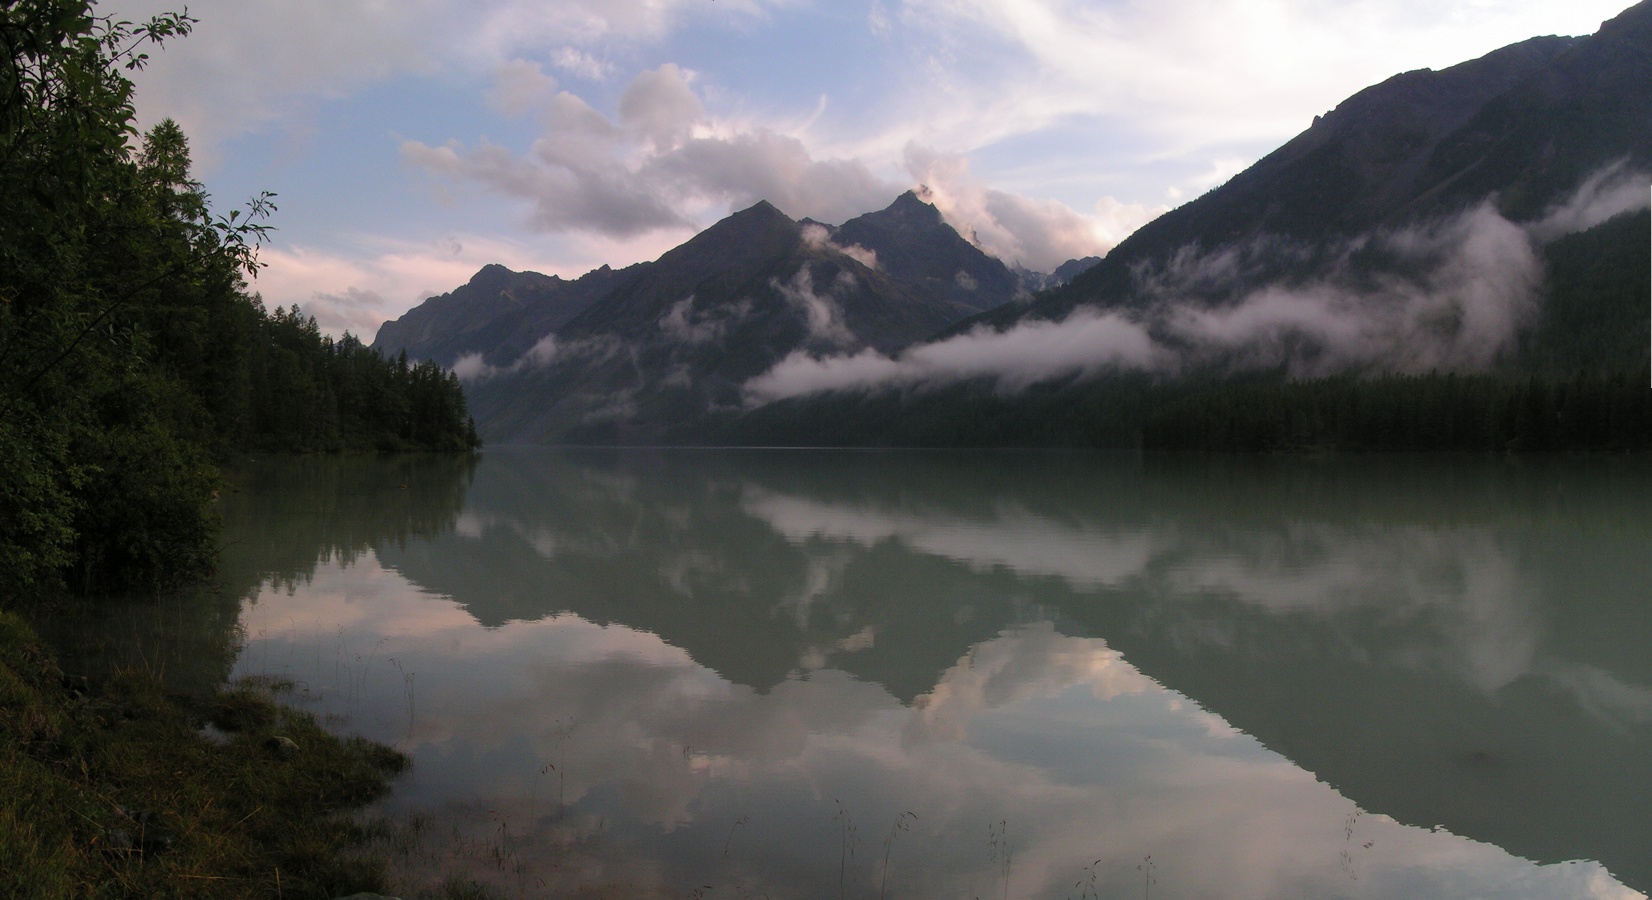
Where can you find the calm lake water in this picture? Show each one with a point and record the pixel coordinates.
(810, 674)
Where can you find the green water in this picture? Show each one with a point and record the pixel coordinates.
(735, 672)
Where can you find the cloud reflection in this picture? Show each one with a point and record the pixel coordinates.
(1412, 665)
(668, 754)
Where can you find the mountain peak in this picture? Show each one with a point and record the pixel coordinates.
(910, 209)
(762, 210)
(490, 279)
(760, 218)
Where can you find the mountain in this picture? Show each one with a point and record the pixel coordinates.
(498, 314)
(1524, 125)
(1410, 229)
(919, 250)
(635, 354)
(1488, 218)
(1071, 269)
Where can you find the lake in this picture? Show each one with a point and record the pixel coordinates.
(968, 674)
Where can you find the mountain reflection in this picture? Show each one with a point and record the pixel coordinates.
(1444, 641)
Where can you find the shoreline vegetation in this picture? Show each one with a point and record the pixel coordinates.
(136, 363)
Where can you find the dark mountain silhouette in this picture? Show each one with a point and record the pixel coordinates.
(633, 355)
(1071, 269)
(498, 313)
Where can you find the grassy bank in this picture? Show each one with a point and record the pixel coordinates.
(115, 789)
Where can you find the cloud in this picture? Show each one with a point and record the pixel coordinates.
(520, 86)
(358, 282)
(354, 310)
(1452, 295)
(687, 325)
(1478, 286)
(248, 65)
(662, 159)
(1086, 555)
(1039, 235)
(359, 292)
(820, 312)
(580, 64)
(1615, 189)
(660, 106)
(1032, 661)
(1213, 73)
(816, 235)
(1085, 344)
(548, 350)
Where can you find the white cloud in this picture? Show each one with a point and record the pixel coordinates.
(362, 282)
(1210, 74)
(1039, 235)
(660, 107)
(1087, 555)
(653, 168)
(817, 236)
(520, 86)
(1478, 287)
(1085, 344)
(248, 65)
(820, 311)
(580, 64)
(687, 325)
(1616, 189)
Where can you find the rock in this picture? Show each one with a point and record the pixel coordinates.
(365, 896)
(284, 747)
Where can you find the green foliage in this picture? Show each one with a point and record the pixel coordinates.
(1595, 302)
(1587, 411)
(310, 392)
(132, 357)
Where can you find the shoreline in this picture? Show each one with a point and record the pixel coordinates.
(115, 787)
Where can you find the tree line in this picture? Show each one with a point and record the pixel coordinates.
(1587, 411)
(134, 358)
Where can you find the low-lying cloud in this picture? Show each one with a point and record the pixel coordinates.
(816, 235)
(1087, 343)
(545, 352)
(687, 325)
(1470, 283)
(821, 312)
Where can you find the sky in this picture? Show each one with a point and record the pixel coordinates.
(411, 143)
